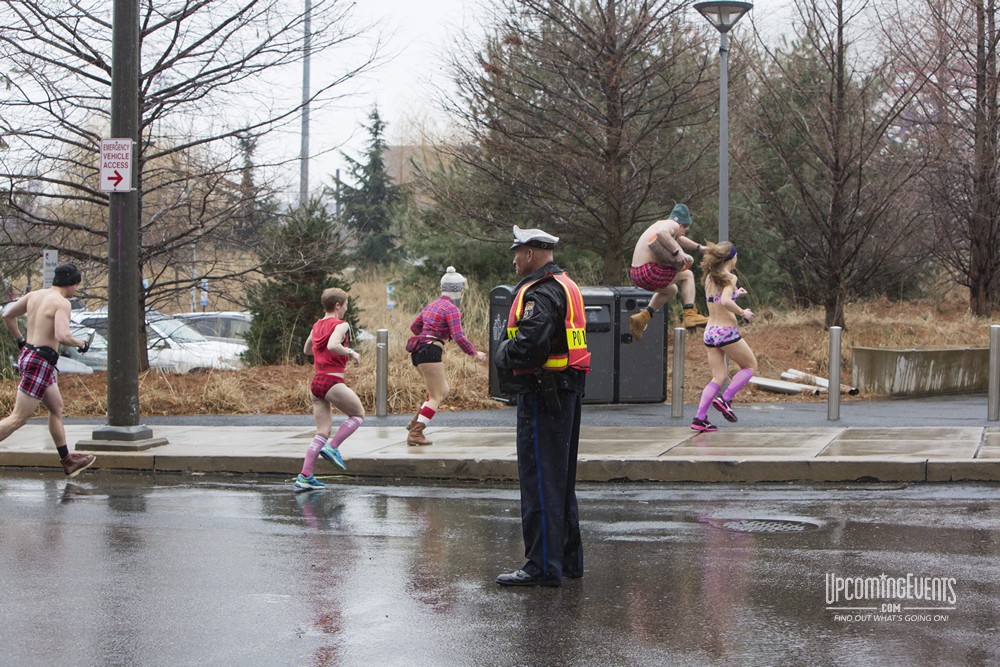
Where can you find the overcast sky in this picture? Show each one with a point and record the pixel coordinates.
(418, 33)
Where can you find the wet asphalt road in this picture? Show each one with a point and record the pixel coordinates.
(132, 569)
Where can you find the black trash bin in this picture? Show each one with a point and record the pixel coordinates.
(641, 365)
(501, 297)
(599, 302)
(600, 305)
(621, 370)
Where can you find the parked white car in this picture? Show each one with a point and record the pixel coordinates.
(172, 345)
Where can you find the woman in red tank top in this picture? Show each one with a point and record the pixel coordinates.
(328, 344)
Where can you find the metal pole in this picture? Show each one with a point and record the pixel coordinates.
(304, 149)
(724, 138)
(123, 221)
(677, 379)
(993, 402)
(381, 372)
(833, 393)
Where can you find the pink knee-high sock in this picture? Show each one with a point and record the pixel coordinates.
(710, 392)
(310, 461)
(349, 426)
(740, 380)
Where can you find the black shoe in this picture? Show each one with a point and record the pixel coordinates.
(522, 578)
(572, 575)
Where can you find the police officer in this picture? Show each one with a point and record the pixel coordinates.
(544, 361)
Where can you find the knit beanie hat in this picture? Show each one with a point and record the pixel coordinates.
(452, 283)
(66, 275)
(681, 215)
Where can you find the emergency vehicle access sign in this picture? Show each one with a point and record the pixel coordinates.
(116, 165)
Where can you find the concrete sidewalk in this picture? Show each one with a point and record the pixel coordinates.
(672, 453)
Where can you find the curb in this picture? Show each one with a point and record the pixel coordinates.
(708, 470)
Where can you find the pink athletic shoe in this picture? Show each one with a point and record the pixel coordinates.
(725, 407)
(703, 425)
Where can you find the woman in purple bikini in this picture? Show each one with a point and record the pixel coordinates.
(722, 335)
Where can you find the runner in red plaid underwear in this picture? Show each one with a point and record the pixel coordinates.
(47, 311)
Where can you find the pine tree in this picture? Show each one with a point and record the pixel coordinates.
(370, 207)
(302, 256)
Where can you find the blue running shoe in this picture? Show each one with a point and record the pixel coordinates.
(333, 456)
(303, 483)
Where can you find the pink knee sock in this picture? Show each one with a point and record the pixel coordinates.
(739, 381)
(349, 426)
(710, 391)
(310, 461)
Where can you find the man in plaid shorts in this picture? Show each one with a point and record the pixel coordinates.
(660, 265)
(48, 311)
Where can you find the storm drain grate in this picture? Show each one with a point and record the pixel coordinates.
(765, 525)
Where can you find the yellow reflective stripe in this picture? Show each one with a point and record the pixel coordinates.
(511, 332)
(556, 362)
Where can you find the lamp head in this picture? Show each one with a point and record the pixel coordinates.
(723, 14)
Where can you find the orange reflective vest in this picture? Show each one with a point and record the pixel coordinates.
(576, 355)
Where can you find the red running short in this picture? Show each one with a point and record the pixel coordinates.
(322, 383)
(37, 374)
(652, 276)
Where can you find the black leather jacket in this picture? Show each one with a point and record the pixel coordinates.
(541, 331)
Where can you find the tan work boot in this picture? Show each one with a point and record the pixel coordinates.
(75, 463)
(416, 437)
(413, 422)
(637, 324)
(694, 319)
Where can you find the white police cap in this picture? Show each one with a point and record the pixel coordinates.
(535, 238)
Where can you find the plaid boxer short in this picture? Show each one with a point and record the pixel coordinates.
(322, 383)
(652, 276)
(37, 374)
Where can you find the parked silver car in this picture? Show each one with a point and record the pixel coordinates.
(230, 326)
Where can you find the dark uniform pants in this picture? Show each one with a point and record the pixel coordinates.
(547, 445)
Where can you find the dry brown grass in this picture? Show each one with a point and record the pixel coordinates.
(798, 339)
(780, 339)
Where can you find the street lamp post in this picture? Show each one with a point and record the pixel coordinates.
(723, 15)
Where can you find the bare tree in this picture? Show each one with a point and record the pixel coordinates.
(827, 170)
(955, 123)
(213, 81)
(582, 117)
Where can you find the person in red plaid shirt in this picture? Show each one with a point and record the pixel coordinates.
(439, 321)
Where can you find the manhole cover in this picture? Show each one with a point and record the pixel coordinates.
(765, 525)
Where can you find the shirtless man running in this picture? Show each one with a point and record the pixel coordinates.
(660, 265)
(48, 311)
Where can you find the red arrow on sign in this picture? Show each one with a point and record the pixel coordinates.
(116, 179)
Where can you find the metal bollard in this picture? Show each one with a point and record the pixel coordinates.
(993, 400)
(381, 372)
(677, 381)
(833, 393)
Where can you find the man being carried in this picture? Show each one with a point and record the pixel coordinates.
(660, 265)
(48, 311)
